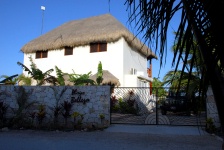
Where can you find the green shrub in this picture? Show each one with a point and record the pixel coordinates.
(210, 127)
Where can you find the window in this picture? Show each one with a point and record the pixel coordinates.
(41, 54)
(98, 47)
(68, 51)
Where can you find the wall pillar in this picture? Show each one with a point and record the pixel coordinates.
(212, 111)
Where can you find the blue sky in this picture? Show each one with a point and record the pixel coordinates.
(21, 22)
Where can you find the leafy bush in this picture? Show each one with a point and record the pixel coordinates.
(78, 118)
(210, 127)
(81, 79)
(127, 107)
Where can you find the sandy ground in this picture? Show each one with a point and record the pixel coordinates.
(103, 140)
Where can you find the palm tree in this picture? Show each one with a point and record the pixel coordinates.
(189, 81)
(200, 19)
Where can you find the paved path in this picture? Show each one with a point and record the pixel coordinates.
(169, 119)
(116, 137)
(157, 129)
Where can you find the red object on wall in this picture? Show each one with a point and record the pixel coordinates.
(149, 71)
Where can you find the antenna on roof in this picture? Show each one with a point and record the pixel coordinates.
(43, 9)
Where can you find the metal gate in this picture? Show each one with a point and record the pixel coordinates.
(140, 106)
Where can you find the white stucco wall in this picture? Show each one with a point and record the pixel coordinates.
(118, 59)
(90, 101)
(132, 59)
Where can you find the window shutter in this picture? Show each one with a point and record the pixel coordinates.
(68, 51)
(44, 54)
(38, 54)
(93, 47)
(103, 47)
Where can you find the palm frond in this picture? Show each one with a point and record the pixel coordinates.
(200, 20)
(25, 68)
(60, 77)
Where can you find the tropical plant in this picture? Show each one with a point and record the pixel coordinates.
(158, 88)
(200, 20)
(66, 110)
(102, 116)
(188, 80)
(60, 78)
(172, 78)
(194, 56)
(24, 80)
(78, 118)
(75, 114)
(57, 108)
(210, 127)
(81, 79)
(37, 74)
(9, 80)
(127, 107)
(99, 78)
(192, 74)
(23, 104)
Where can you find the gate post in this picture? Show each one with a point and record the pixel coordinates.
(211, 107)
(156, 106)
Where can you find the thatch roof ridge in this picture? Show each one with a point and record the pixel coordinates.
(82, 32)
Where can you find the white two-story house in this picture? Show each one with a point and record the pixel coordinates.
(80, 45)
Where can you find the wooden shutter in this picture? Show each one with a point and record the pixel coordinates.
(102, 47)
(38, 54)
(44, 54)
(93, 47)
(68, 51)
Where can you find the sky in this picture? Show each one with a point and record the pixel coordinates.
(23, 21)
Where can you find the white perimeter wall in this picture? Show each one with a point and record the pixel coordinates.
(118, 59)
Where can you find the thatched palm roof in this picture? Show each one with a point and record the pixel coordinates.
(103, 28)
(108, 78)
